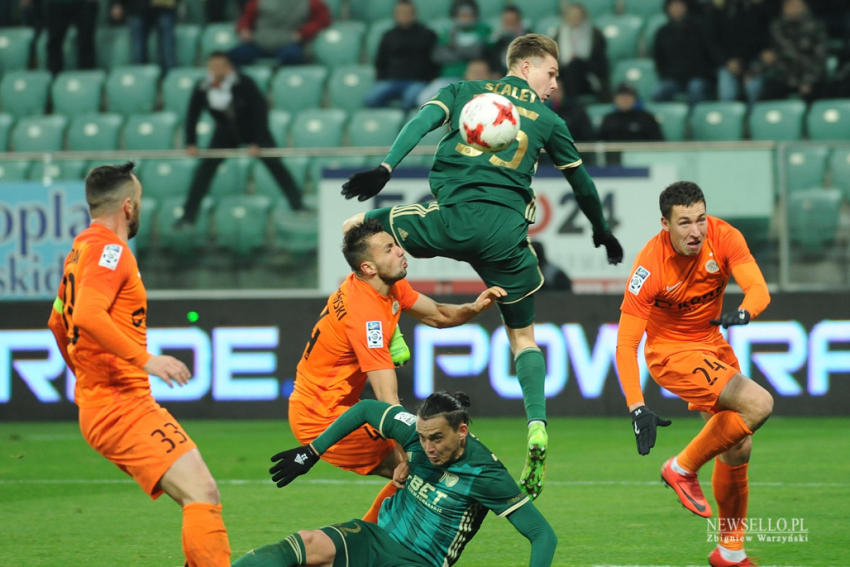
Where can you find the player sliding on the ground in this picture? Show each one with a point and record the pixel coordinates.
(484, 204)
(675, 294)
(454, 480)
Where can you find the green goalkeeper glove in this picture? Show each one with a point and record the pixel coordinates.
(399, 351)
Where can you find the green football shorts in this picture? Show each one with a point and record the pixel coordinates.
(360, 543)
(492, 238)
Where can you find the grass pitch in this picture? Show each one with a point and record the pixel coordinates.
(62, 505)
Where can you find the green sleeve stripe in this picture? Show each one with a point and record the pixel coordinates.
(513, 508)
(58, 305)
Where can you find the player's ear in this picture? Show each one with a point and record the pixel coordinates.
(368, 268)
(665, 224)
(463, 430)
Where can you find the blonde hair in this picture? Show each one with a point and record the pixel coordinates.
(530, 45)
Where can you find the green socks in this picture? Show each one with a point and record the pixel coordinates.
(286, 553)
(531, 372)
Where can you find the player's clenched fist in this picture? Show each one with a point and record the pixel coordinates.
(488, 297)
(168, 368)
(292, 463)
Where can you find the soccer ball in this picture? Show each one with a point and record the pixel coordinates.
(489, 122)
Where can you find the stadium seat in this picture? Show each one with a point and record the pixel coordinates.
(15, 48)
(621, 34)
(839, 170)
(14, 170)
(203, 130)
(112, 46)
(77, 92)
(376, 9)
(375, 127)
(195, 11)
(650, 28)
(777, 120)
(298, 87)
(264, 183)
(39, 133)
(718, 121)
(756, 230)
(132, 89)
(430, 10)
(69, 50)
(59, 170)
(241, 222)
(534, 10)
(188, 38)
(340, 44)
(260, 74)
(672, 117)
(829, 119)
(24, 92)
(374, 34)
(279, 121)
(94, 132)
(295, 233)
(638, 72)
(6, 121)
(164, 178)
(154, 131)
(144, 237)
(596, 8)
(597, 111)
(177, 88)
(805, 166)
(643, 8)
(813, 219)
(349, 85)
(231, 178)
(548, 25)
(318, 128)
(187, 241)
(218, 37)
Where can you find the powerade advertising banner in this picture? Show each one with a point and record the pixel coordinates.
(243, 355)
(37, 226)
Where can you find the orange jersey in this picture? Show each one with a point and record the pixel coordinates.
(101, 287)
(351, 338)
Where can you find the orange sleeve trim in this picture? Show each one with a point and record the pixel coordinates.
(756, 295)
(91, 315)
(629, 334)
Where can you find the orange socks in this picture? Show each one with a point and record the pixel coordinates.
(720, 433)
(204, 536)
(372, 515)
(731, 491)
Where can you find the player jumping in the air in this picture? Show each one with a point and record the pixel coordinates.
(484, 204)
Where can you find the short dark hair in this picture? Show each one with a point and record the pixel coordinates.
(684, 193)
(354, 245)
(454, 407)
(513, 9)
(221, 55)
(103, 184)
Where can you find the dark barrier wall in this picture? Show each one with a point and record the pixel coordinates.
(244, 353)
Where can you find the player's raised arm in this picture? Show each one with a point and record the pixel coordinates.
(528, 521)
(443, 315)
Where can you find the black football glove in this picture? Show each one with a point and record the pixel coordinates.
(611, 244)
(366, 184)
(739, 317)
(292, 463)
(644, 422)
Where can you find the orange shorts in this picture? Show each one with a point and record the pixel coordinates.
(697, 375)
(139, 436)
(360, 451)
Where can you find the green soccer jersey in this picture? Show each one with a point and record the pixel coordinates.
(462, 173)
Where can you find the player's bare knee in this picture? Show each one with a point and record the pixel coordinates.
(762, 409)
(318, 547)
(353, 221)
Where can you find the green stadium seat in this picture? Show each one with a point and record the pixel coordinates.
(756, 230)
(132, 89)
(241, 223)
(597, 8)
(69, 50)
(231, 177)
(59, 170)
(218, 37)
(260, 74)
(112, 47)
(279, 121)
(195, 11)
(94, 132)
(643, 8)
(718, 121)
(374, 126)
(154, 131)
(348, 86)
(319, 164)
(77, 92)
(440, 26)
(430, 10)
(650, 28)
(187, 37)
(839, 169)
(805, 166)
(177, 88)
(39, 133)
(296, 233)
(374, 34)
(15, 48)
(6, 121)
(335, 7)
(318, 128)
(431, 139)
(339, 44)
(264, 183)
(188, 241)
(377, 9)
(638, 72)
(298, 87)
(204, 130)
(24, 92)
(813, 219)
(144, 237)
(14, 170)
(548, 25)
(597, 111)
(164, 178)
(533, 11)
(777, 120)
(672, 117)
(621, 34)
(829, 119)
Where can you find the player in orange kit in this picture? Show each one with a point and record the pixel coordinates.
(350, 345)
(99, 322)
(675, 294)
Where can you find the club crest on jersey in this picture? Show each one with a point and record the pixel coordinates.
(374, 334)
(110, 256)
(711, 266)
(638, 279)
(449, 479)
(396, 307)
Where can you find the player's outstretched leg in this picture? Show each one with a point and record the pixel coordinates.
(531, 372)
(531, 479)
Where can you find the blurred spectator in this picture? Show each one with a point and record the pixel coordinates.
(241, 117)
(740, 35)
(836, 15)
(61, 15)
(629, 122)
(554, 278)
(683, 56)
(478, 70)
(795, 63)
(279, 29)
(401, 69)
(511, 26)
(142, 16)
(574, 114)
(582, 47)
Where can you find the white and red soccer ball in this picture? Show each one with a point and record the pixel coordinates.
(489, 122)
